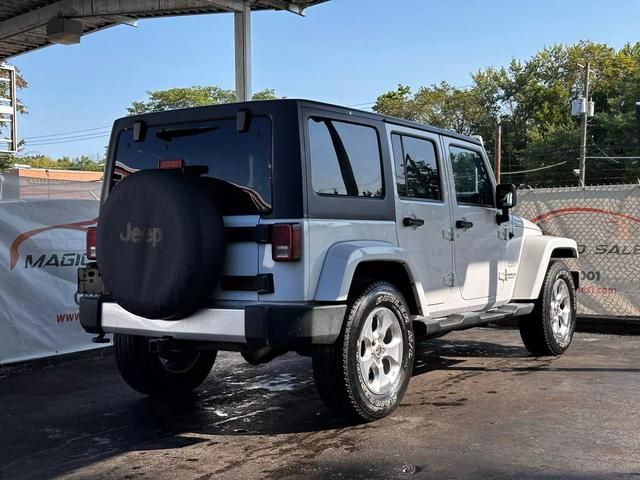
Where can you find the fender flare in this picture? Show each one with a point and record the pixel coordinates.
(534, 261)
(343, 258)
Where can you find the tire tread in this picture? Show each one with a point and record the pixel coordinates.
(330, 362)
(143, 372)
(534, 330)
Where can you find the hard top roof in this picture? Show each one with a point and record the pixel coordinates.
(162, 116)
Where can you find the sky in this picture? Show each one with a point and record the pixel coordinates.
(344, 51)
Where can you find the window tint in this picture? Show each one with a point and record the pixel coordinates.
(345, 159)
(238, 163)
(398, 160)
(470, 176)
(417, 173)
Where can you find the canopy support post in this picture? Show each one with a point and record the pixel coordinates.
(242, 24)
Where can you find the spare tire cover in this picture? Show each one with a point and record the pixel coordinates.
(160, 243)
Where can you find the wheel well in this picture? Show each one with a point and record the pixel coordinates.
(567, 253)
(563, 253)
(392, 272)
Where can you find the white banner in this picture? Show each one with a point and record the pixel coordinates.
(605, 222)
(42, 244)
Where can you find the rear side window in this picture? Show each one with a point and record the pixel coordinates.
(417, 172)
(471, 178)
(345, 159)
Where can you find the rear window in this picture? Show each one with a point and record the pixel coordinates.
(238, 163)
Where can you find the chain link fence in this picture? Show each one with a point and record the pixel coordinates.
(605, 222)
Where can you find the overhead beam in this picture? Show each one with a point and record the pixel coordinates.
(106, 8)
(285, 5)
(132, 22)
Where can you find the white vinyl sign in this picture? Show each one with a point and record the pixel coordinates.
(42, 244)
(605, 222)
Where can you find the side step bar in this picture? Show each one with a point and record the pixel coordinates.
(462, 321)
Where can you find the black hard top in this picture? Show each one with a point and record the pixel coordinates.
(274, 104)
(390, 119)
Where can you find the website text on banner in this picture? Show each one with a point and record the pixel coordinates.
(605, 221)
(42, 243)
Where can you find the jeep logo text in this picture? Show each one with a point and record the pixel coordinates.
(151, 235)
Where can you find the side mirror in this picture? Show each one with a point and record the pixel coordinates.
(506, 199)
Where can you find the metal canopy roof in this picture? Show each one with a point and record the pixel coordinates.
(23, 23)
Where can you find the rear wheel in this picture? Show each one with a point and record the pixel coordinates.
(549, 329)
(176, 372)
(364, 375)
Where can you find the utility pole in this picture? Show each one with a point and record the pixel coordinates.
(585, 118)
(638, 122)
(498, 151)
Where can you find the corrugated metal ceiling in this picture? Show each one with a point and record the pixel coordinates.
(36, 37)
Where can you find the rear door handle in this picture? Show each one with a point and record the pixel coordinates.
(412, 222)
(463, 224)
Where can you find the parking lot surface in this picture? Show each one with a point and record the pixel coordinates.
(477, 407)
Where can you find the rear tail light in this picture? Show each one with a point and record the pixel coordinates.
(286, 242)
(91, 243)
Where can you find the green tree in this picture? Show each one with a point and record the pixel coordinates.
(197, 96)
(441, 105)
(531, 98)
(64, 163)
(6, 160)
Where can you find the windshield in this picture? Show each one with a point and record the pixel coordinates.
(238, 163)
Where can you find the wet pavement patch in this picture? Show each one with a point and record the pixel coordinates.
(477, 407)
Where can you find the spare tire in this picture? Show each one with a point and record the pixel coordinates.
(160, 244)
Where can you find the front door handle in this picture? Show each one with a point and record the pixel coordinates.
(463, 224)
(412, 222)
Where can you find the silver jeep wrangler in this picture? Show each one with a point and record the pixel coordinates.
(291, 225)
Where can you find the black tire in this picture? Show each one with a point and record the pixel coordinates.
(537, 328)
(337, 369)
(149, 373)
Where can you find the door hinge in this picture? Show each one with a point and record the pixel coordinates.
(449, 280)
(448, 234)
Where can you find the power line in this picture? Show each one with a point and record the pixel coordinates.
(67, 140)
(551, 153)
(364, 104)
(93, 137)
(535, 169)
(66, 133)
(70, 137)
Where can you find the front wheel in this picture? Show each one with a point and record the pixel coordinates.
(170, 374)
(549, 329)
(364, 375)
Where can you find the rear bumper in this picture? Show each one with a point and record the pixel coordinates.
(255, 326)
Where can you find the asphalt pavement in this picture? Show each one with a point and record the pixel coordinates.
(478, 407)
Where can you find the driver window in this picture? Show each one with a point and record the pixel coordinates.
(471, 179)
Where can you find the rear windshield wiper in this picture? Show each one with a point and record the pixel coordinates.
(167, 134)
